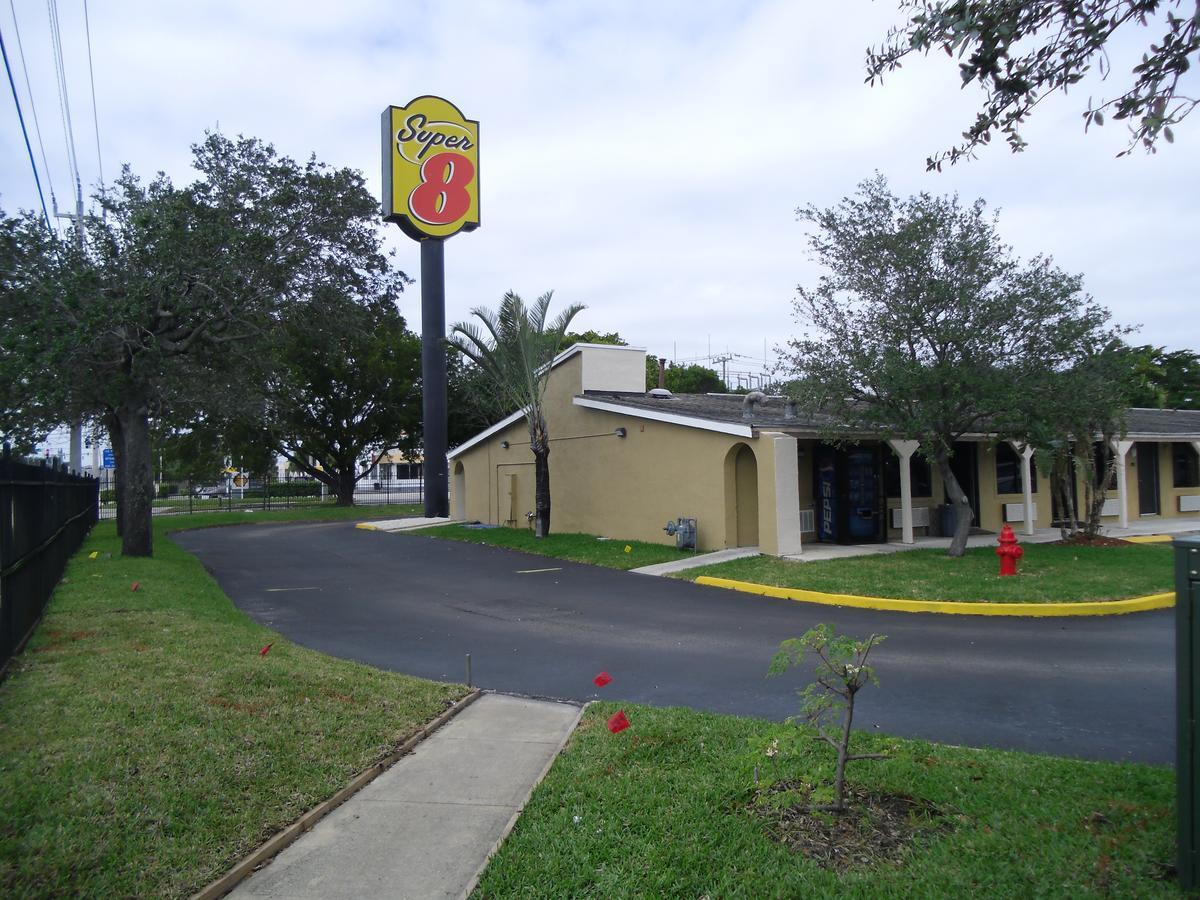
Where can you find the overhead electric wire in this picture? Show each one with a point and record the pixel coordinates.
(37, 126)
(64, 99)
(87, 28)
(28, 147)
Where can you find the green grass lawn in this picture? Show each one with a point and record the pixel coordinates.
(146, 745)
(1046, 573)
(584, 548)
(662, 810)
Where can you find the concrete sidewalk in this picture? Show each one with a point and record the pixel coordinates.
(817, 552)
(427, 826)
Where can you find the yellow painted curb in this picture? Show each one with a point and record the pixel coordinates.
(366, 526)
(1150, 539)
(950, 607)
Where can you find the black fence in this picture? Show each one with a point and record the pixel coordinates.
(44, 516)
(232, 492)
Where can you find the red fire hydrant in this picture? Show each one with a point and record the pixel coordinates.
(1009, 551)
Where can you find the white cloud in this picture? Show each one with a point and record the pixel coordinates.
(643, 158)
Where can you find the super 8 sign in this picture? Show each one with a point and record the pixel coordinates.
(430, 169)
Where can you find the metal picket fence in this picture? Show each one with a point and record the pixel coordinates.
(183, 497)
(45, 514)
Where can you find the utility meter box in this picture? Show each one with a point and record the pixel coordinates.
(684, 530)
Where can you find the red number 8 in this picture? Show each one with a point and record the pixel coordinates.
(442, 197)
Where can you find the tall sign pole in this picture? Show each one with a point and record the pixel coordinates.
(431, 190)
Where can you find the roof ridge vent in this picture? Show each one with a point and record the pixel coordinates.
(659, 393)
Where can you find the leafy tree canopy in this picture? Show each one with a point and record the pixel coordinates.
(925, 326)
(344, 384)
(1165, 380)
(157, 317)
(1020, 53)
(690, 379)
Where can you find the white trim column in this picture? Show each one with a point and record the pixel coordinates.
(787, 494)
(1121, 448)
(905, 450)
(1026, 454)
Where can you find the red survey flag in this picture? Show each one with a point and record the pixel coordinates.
(263, 651)
(135, 586)
(602, 679)
(618, 722)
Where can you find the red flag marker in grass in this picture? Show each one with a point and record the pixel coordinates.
(602, 679)
(618, 722)
(135, 586)
(263, 651)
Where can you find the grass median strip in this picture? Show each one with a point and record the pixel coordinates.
(583, 548)
(148, 741)
(670, 807)
(1048, 573)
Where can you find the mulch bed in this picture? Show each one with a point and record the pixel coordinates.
(874, 827)
(1079, 539)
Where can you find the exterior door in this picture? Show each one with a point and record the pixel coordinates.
(1147, 466)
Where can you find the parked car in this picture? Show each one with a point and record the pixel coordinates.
(210, 491)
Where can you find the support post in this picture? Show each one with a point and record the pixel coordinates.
(905, 450)
(1027, 483)
(1121, 448)
(433, 377)
(787, 494)
(1187, 711)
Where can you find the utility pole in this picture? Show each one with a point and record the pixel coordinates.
(75, 453)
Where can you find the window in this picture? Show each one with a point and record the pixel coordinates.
(1186, 464)
(922, 481)
(385, 469)
(1008, 471)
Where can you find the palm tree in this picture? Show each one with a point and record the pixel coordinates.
(514, 350)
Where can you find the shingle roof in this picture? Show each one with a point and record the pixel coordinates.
(726, 408)
(1164, 422)
(772, 413)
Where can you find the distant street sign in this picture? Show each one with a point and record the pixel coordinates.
(110, 461)
(240, 480)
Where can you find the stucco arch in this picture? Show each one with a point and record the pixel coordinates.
(458, 492)
(741, 497)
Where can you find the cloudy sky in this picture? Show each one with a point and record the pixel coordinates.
(643, 158)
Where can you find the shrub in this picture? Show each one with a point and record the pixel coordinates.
(841, 671)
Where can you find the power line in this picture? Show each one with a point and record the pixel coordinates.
(64, 99)
(37, 127)
(17, 100)
(92, 77)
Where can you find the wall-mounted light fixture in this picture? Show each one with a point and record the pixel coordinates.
(620, 432)
(504, 445)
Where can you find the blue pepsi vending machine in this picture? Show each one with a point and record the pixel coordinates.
(827, 505)
(862, 494)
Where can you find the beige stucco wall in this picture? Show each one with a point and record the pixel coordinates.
(631, 487)
(615, 487)
(991, 501)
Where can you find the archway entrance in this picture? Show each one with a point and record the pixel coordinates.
(741, 500)
(458, 493)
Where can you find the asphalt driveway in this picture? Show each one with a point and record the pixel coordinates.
(1096, 688)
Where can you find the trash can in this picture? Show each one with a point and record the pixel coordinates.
(947, 517)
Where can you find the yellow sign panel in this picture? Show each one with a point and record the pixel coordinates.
(430, 169)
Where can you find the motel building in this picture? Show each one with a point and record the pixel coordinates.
(624, 462)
